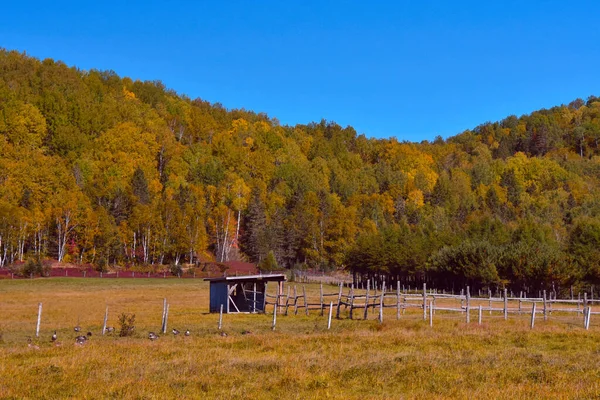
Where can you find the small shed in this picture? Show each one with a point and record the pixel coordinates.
(241, 294)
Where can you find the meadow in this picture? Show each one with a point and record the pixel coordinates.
(301, 359)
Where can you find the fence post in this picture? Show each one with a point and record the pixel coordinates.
(480, 313)
(305, 302)
(397, 299)
(589, 316)
(330, 313)
(533, 315)
(339, 303)
(274, 317)
(39, 320)
(431, 313)
(105, 320)
(490, 296)
(221, 317)
(322, 310)
(424, 302)
(351, 300)
(167, 318)
(545, 306)
(381, 307)
(367, 299)
(162, 324)
(295, 301)
(468, 296)
(505, 304)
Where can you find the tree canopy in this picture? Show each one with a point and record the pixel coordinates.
(97, 168)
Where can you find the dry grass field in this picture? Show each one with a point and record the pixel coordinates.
(300, 360)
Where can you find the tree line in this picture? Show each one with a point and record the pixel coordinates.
(104, 170)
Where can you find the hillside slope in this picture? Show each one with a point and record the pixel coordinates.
(95, 168)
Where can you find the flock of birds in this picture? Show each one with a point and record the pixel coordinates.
(81, 339)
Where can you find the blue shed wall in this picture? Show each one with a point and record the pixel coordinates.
(218, 296)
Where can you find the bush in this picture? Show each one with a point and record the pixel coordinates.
(34, 267)
(176, 269)
(101, 264)
(127, 324)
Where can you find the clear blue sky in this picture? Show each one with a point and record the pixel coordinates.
(410, 69)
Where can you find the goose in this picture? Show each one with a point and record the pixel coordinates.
(77, 328)
(175, 332)
(81, 339)
(110, 329)
(187, 332)
(89, 334)
(152, 336)
(54, 337)
(31, 345)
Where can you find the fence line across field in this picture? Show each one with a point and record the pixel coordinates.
(358, 305)
(428, 300)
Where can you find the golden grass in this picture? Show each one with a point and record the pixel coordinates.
(300, 360)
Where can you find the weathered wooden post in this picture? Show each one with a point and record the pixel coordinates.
(105, 321)
(367, 298)
(330, 313)
(533, 315)
(397, 299)
(305, 302)
(295, 301)
(480, 313)
(287, 301)
(321, 296)
(381, 307)
(578, 302)
(351, 300)
(167, 318)
(490, 296)
(545, 306)
(274, 317)
(221, 317)
(431, 313)
(39, 320)
(468, 297)
(162, 323)
(505, 304)
(520, 301)
(424, 302)
(589, 316)
(339, 302)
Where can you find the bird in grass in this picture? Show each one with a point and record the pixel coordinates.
(81, 340)
(31, 345)
(77, 329)
(223, 334)
(110, 329)
(187, 332)
(54, 337)
(152, 336)
(89, 334)
(175, 332)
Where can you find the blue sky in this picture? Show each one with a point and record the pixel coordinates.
(410, 69)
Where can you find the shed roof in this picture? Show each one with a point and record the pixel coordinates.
(247, 278)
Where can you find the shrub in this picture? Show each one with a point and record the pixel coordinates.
(127, 324)
(175, 269)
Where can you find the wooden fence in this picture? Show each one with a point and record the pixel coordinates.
(357, 303)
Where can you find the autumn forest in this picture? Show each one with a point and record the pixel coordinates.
(97, 169)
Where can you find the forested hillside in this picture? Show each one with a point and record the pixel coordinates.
(99, 169)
